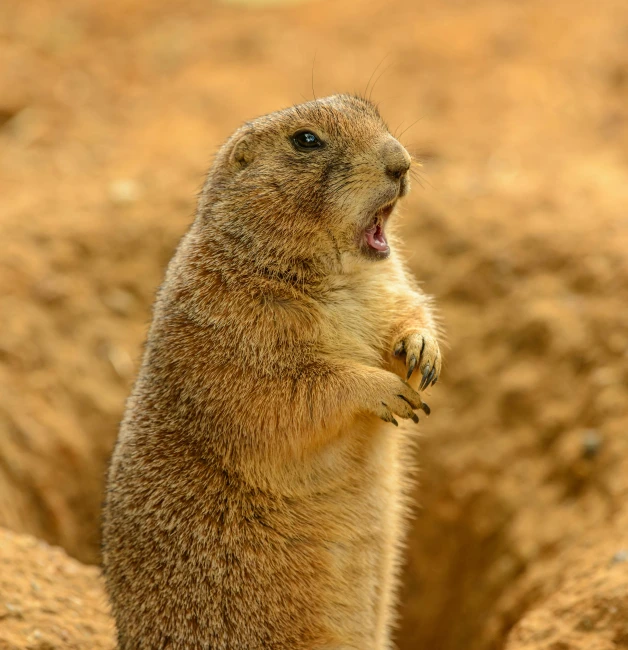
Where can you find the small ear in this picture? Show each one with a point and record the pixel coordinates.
(242, 152)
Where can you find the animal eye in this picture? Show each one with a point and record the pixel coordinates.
(306, 140)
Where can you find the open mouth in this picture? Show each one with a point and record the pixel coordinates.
(375, 235)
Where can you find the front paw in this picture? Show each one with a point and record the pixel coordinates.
(421, 349)
(391, 396)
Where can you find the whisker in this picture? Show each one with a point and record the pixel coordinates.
(372, 75)
(378, 78)
(425, 180)
(411, 125)
(417, 179)
(397, 129)
(313, 62)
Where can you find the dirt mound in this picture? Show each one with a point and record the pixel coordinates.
(49, 601)
(589, 611)
(109, 113)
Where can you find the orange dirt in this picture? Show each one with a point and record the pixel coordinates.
(48, 601)
(589, 610)
(109, 113)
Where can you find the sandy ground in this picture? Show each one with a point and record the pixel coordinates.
(48, 600)
(109, 114)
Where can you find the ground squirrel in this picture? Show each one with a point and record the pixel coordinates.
(256, 495)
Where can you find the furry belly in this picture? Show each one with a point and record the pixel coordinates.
(357, 511)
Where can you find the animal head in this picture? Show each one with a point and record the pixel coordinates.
(307, 184)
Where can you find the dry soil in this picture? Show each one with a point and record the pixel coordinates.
(109, 114)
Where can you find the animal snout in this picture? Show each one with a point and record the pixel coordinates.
(396, 158)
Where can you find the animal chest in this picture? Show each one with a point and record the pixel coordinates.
(356, 325)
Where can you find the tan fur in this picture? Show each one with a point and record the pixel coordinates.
(256, 494)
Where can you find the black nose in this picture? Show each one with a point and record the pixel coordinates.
(397, 170)
(396, 158)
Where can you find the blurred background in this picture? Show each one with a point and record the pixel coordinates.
(109, 115)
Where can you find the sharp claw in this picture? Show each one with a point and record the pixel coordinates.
(415, 418)
(394, 422)
(398, 351)
(426, 373)
(425, 408)
(411, 366)
(435, 380)
(431, 377)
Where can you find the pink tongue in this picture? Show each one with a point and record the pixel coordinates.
(376, 239)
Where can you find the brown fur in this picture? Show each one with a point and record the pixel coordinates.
(256, 496)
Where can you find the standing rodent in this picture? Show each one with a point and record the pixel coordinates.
(256, 495)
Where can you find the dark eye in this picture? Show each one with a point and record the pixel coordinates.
(306, 140)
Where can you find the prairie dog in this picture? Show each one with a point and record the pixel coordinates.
(256, 494)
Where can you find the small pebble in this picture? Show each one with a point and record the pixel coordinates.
(591, 444)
